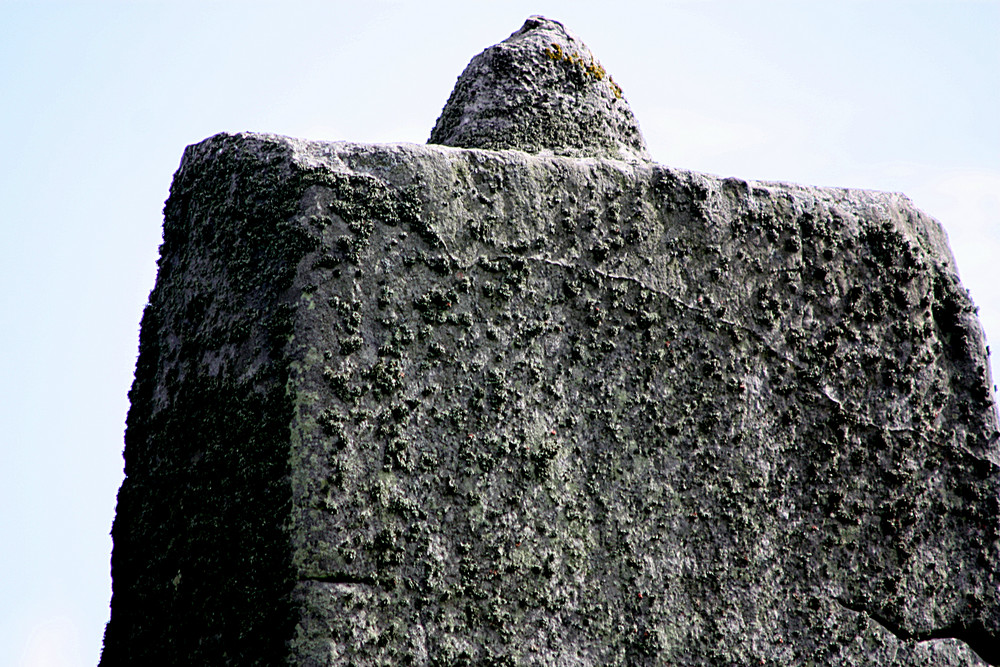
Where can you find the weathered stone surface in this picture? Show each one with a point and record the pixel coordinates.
(540, 90)
(402, 404)
(399, 404)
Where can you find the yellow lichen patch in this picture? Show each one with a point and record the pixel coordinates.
(615, 87)
(595, 69)
(590, 67)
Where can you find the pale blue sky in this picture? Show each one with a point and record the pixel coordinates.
(98, 100)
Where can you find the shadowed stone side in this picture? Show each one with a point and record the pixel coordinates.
(202, 565)
(541, 91)
(521, 410)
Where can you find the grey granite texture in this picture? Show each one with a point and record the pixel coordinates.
(540, 90)
(424, 405)
(400, 404)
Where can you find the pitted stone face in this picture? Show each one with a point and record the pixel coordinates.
(541, 91)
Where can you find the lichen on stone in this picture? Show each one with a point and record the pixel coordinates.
(541, 91)
(405, 404)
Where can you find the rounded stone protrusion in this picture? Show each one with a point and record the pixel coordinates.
(541, 91)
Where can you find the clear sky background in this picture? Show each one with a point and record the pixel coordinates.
(99, 99)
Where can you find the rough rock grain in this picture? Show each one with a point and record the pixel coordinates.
(423, 405)
(541, 91)
(558, 405)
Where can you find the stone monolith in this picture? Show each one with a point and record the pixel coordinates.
(522, 396)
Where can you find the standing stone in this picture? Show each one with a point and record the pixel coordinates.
(556, 405)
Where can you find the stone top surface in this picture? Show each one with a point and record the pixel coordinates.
(540, 91)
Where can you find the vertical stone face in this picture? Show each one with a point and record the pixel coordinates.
(427, 405)
(202, 563)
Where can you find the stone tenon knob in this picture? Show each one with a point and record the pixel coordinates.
(541, 91)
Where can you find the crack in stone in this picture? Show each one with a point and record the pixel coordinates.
(821, 391)
(974, 635)
(680, 303)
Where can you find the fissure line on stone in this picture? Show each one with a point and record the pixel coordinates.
(820, 391)
(676, 301)
(980, 641)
